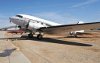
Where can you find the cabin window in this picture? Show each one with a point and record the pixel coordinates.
(32, 20)
(37, 21)
(42, 23)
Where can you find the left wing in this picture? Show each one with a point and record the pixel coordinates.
(5, 29)
(63, 29)
(13, 29)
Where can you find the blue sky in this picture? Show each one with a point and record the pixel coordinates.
(61, 11)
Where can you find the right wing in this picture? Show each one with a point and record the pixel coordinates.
(63, 29)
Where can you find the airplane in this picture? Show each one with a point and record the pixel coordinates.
(37, 26)
(75, 33)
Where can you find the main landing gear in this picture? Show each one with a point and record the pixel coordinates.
(30, 35)
(39, 36)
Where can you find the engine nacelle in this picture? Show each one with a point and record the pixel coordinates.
(33, 26)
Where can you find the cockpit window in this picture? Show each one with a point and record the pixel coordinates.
(19, 16)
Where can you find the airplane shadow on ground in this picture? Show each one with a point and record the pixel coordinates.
(7, 52)
(50, 40)
(63, 42)
(78, 37)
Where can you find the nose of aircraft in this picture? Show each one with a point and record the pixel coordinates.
(13, 19)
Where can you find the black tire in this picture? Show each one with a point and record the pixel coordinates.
(75, 36)
(30, 35)
(39, 36)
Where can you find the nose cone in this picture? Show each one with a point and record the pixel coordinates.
(13, 19)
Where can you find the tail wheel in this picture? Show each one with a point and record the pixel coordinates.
(39, 36)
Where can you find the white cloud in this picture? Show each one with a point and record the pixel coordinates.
(85, 3)
(57, 17)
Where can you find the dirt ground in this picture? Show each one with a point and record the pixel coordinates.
(51, 49)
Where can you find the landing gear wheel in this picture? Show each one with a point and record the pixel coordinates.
(75, 36)
(39, 36)
(30, 35)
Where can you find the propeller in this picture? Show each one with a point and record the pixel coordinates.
(10, 19)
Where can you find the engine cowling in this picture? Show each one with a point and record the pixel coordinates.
(33, 25)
